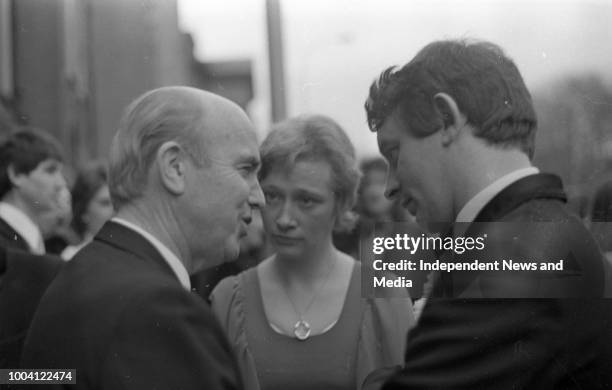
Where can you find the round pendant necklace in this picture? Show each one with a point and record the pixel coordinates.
(302, 328)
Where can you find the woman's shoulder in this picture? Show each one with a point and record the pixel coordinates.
(225, 286)
(348, 264)
(229, 297)
(231, 286)
(379, 296)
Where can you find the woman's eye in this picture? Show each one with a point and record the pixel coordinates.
(307, 202)
(271, 197)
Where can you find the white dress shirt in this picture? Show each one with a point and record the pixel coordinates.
(24, 226)
(173, 261)
(71, 250)
(471, 209)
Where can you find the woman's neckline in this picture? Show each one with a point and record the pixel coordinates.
(328, 328)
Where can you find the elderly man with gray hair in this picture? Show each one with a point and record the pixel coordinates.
(183, 179)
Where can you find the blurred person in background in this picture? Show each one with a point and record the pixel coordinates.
(371, 207)
(372, 203)
(601, 218)
(380, 216)
(31, 184)
(91, 205)
(297, 320)
(183, 178)
(31, 188)
(55, 225)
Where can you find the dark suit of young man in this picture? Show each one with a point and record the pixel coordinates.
(469, 343)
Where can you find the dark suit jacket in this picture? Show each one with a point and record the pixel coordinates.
(517, 343)
(118, 314)
(9, 238)
(24, 277)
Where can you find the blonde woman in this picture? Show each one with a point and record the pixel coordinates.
(297, 320)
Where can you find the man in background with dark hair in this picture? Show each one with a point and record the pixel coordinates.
(31, 184)
(457, 126)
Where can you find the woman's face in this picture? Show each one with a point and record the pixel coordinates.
(99, 210)
(300, 211)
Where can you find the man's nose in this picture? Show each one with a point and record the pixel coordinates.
(392, 186)
(256, 196)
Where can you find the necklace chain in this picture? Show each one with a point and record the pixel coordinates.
(301, 329)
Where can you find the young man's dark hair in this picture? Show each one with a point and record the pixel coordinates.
(23, 150)
(31, 182)
(485, 83)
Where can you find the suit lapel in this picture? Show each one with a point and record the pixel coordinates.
(539, 186)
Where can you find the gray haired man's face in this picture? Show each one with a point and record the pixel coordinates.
(221, 194)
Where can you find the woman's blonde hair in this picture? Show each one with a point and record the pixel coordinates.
(320, 138)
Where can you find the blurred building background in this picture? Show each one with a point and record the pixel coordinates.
(575, 132)
(71, 66)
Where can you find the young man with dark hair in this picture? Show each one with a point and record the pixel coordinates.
(457, 126)
(31, 182)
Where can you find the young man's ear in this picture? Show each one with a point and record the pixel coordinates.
(172, 167)
(453, 119)
(14, 177)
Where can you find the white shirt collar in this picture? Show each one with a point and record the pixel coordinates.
(173, 261)
(471, 209)
(24, 226)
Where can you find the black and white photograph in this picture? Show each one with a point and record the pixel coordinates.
(292, 195)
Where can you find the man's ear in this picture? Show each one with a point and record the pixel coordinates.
(172, 164)
(453, 119)
(14, 177)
